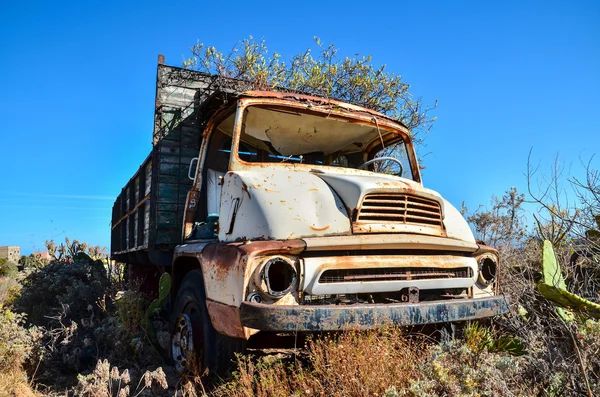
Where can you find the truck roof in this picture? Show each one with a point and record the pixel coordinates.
(300, 97)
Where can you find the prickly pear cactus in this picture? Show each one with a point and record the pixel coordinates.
(164, 288)
(553, 287)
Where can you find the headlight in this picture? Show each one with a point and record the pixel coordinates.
(277, 276)
(488, 270)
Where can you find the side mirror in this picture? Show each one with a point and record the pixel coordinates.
(192, 174)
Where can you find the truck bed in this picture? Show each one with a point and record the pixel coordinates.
(147, 215)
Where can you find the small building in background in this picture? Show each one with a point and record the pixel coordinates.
(11, 253)
(42, 255)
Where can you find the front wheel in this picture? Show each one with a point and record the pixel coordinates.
(194, 341)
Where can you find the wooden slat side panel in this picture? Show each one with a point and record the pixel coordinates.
(134, 229)
(126, 225)
(167, 193)
(148, 177)
(175, 155)
(154, 197)
(123, 228)
(146, 222)
(162, 180)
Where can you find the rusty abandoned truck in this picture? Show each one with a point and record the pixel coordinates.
(271, 213)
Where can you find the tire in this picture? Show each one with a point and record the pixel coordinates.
(213, 351)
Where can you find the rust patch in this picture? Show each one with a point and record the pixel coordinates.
(392, 262)
(221, 258)
(485, 249)
(339, 317)
(276, 97)
(225, 319)
(290, 247)
(245, 190)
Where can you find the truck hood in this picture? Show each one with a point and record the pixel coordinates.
(352, 188)
(280, 203)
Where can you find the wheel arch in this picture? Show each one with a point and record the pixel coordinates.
(181, 267)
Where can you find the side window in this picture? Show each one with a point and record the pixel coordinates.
(215, 167)
(216, 163)
(213, 170)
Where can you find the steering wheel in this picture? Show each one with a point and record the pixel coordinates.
(378, 159)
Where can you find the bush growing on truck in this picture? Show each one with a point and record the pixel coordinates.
(277, 212)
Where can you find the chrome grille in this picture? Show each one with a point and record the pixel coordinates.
(400, 208)
(392, 274)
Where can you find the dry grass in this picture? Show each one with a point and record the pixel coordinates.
(348, 364)
(386, 363)
(15, 384)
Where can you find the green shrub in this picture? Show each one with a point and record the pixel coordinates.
(63, 298)
(9, 291)
(131, 309)
(17, 343)
(452, 369)
(71, 288)
(9, 269)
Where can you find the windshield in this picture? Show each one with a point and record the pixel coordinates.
(285, 135)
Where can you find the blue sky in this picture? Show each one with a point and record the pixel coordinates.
(77, 84)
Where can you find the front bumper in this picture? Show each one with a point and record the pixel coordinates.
(267, 317)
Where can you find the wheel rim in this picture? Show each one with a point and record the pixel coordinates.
(182, 343)
(187, 342)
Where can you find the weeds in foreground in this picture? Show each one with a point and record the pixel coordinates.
(480, 338)
(349, 364)
(19, 348)
(15, 383)
(108, 381)
(453, 369)
(384, 362)
(17, 344)
(83, 324)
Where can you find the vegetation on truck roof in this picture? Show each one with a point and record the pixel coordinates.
(322, 73)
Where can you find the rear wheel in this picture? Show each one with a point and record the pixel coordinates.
(192, 334)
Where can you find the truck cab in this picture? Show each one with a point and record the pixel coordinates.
(308, 214)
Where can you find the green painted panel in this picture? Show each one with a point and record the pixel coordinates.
(191, 139)
(186, 160)
(170, 169)
(169, 179)
(183, 192)
(171, 237)
(190, 151)
(167, 193)
(172, 148)
(167, 158)
(167, 220)
(171, 136)
(167, 207)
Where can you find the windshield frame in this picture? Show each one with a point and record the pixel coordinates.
(394, 132)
